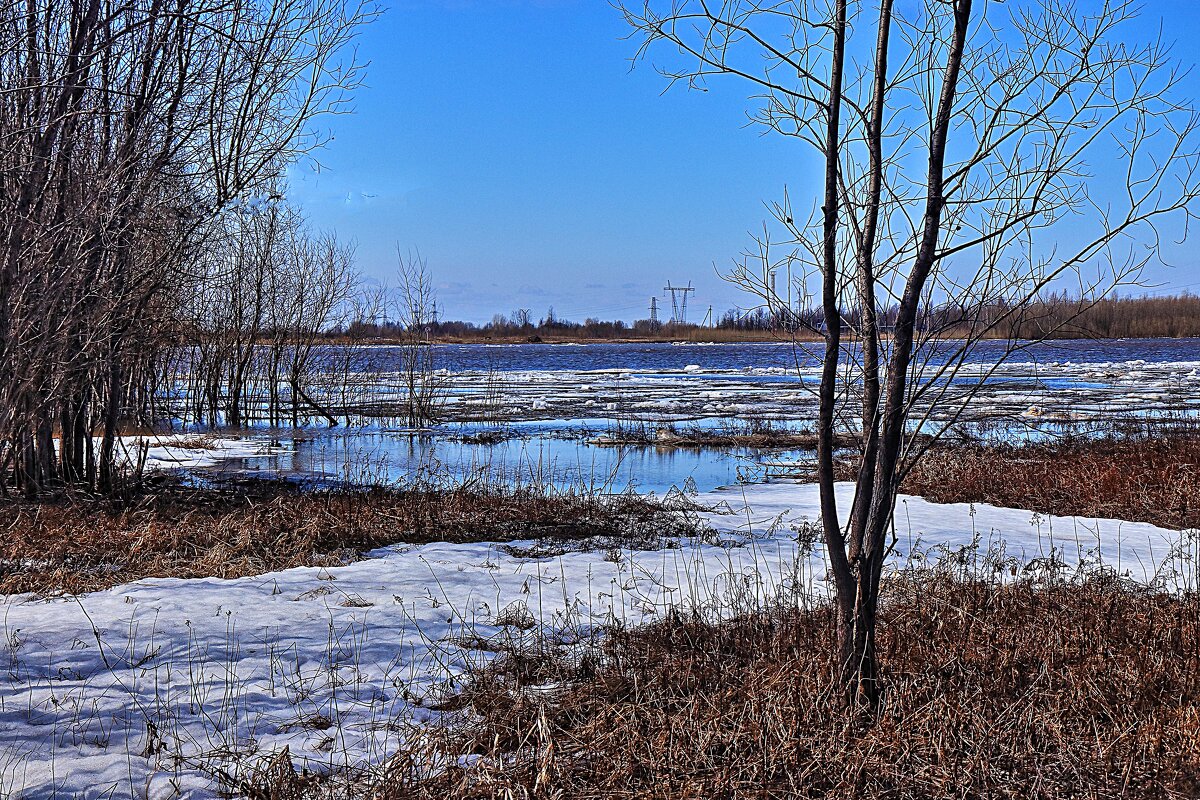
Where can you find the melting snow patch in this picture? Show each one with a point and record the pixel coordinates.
(148, 688)
(191, 451)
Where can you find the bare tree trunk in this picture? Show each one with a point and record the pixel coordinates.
(844, 582)
(861, 670)
(108, 470)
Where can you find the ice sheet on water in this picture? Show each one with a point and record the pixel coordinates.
(191, 452)
(786, 392)
(188, 451)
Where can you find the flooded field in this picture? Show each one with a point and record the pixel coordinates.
(538, 413)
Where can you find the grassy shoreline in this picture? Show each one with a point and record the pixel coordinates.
(77, 545)
(1141, 478)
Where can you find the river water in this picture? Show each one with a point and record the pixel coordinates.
(549, 406)
(668, 357)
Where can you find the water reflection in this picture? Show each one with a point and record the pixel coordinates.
(546, 457)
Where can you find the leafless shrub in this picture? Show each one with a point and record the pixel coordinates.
(267, 288)
(416, 304)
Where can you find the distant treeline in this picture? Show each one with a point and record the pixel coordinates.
(1056, 316)
(521, 326)
(1174, 316)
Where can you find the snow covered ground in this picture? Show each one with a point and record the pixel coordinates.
(147, 689)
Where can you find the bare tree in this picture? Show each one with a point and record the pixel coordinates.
(267, 290)
(126, 129)
(958, 143)
(416, 308)
(323, 286)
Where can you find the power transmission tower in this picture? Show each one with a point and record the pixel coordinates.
(654, 312)
(708, 318)
(679, 300)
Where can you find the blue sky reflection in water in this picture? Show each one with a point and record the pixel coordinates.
(371, 454)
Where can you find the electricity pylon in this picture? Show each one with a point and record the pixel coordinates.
(679, 301)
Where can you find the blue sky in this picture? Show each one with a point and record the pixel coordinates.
(509, 142)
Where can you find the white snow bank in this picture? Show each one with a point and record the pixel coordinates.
(139, 691)
(1137, 550)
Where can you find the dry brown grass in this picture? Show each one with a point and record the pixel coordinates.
(78, 545)
(1142, 479)
(1080, 691)
(750, 433)
(1085, 689)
